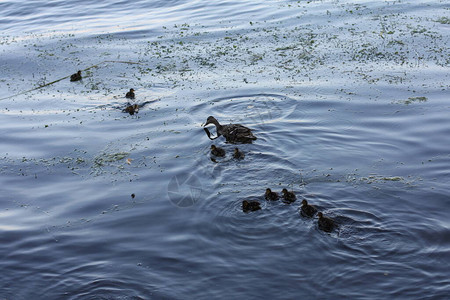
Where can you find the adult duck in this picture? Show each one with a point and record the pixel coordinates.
(326, 224)
(250, 206)
(233, 133)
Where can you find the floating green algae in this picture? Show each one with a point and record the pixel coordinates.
(411, 100)
(106, 158)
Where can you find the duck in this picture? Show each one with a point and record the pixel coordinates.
(273, 196)
(288, 197)
(308, 210)
(238, 154)
(326, 224)
(216, 151)
(76, 76)
(132, 109)
(233, 133)
(250, 206)
(130, 94)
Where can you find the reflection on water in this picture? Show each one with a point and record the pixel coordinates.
(345, 113)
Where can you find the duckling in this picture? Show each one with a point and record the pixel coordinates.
(273, 196)
(132, 109)
(238, 154)
(216, 151)
(288, 197)
(308, 210)
(76, 76)
(250, 206)
(233, 133)
(325, 224)
(130, 94)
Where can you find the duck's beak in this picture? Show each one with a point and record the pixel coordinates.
(206, 123)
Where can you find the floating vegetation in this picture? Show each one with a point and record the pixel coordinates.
(395, 178)
(378, 178)
(107, 158)
(411, 100)
(443, 20)
(26, 166)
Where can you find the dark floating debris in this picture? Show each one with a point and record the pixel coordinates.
(307, 210)
(233, 133)
(76, 76)
(326, 224)
(288, 197)
(272, 196)
(238, 154)
(216, 151)
(250, 206)
(130, 94)
(133, 195)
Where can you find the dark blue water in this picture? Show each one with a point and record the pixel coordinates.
(348, 100)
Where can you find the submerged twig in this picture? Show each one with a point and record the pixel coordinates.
(58, 80)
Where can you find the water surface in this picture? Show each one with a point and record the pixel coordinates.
(348, 99)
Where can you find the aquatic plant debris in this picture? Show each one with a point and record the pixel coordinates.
(105, 158)
(68, 76)
(411, 100)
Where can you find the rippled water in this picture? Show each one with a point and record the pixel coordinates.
(348, 99)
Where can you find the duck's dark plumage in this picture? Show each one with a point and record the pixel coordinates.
(130, 94)
(326, 224)
(233, 133)
(250, 206)
(272, 196)
(308, 210)
(288, 197)
(132, 109)
(238, 154)
(76, 76)
(216, 151)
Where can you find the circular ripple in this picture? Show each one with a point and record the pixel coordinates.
(254, 110)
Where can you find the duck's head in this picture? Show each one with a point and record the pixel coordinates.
(284, 191)
(213, 147)
(304, 202)
(132, 90)
(211, 120)
(320, 215)
(236, 150)
(268, 191)
(79, 72)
